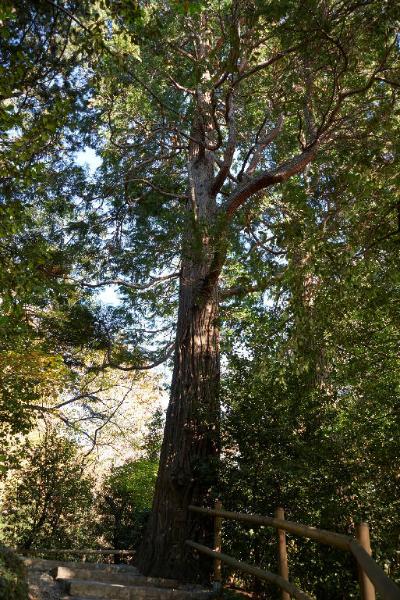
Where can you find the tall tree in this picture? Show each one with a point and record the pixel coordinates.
(207, 107)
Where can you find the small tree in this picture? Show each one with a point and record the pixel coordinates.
(125, 503)
(48, 500)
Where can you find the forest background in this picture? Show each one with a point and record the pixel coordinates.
(309, 282)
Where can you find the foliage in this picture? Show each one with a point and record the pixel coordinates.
(47, 502)
(39, 93)
(13, 585)
(40, 375)
(144, 167)
(39, 104)
(153, 438)
(312, 388)
(125, 503)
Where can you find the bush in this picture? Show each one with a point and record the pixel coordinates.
(13, 585)
(125, 503)
(47, 501)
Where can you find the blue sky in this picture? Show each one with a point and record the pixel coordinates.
(88, 158)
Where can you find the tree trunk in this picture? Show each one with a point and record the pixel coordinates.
(191, 438)
(190, 450)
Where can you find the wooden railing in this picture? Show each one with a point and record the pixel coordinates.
(84, 553)
(371, 576)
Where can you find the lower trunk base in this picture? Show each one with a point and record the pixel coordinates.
(172, 559)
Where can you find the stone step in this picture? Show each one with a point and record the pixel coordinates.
(112, 591)
(120, 577)
(68, 597)
(44, 564)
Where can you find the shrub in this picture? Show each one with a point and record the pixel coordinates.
(47, 501)
(13, 585)
(125, 503)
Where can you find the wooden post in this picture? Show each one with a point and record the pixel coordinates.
(283, 567)
(366, 587)
(217, 548)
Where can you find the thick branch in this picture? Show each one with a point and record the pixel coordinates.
(133, 286)
(243, 290)
(179, 86)
(163, 357)
(239, 197)
(230, 146)
(156, 188)
(267, 63)
(264, 140)
(267, 178)
(389, 81)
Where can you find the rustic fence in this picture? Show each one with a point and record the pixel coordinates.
(108, 554)
(371, 577)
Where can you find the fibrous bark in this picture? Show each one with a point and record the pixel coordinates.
(189, 455)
